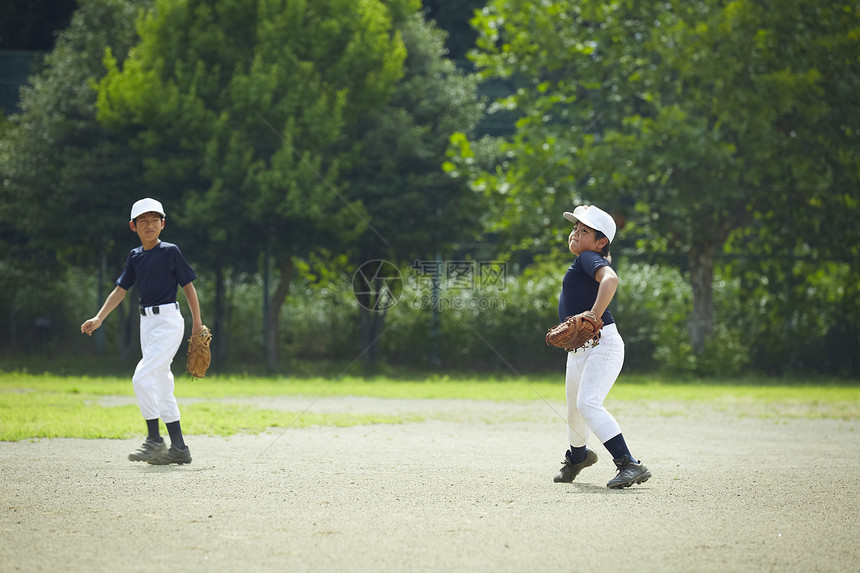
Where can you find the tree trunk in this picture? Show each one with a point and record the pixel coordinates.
(701, 258)
(274, 309)
(373, 301)
(372, 323)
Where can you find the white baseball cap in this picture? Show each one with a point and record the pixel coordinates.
(593, 217)
(146, 206)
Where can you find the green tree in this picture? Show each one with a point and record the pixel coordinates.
(66, 182)
(686, 118)
(414, 209)
(242, 106)
(804, 277)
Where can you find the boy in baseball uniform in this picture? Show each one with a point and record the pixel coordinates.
(590, 284)
(158, 268)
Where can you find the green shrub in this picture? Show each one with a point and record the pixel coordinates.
(487, 327)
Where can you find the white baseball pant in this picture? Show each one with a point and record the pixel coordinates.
(160, 337)
(590, 375)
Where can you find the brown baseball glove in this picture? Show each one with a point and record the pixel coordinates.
(199, 355)
(576, 331)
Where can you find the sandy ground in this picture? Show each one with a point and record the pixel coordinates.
(468, 490)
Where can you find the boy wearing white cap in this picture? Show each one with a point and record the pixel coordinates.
(158, 268)
(590, 284)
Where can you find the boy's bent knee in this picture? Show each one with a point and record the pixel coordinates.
(589, 406)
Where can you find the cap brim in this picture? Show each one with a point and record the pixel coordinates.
(136, 215)
(570, 217)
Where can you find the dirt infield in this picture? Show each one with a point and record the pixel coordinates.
(470, 489)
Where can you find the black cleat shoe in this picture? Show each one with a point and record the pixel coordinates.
(172, 456)
(628, 473)
(569, 470)
(148, 450)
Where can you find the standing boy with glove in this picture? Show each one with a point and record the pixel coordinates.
(158, 268)
(588, 286)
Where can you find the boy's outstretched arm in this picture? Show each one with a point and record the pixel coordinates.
(194, 306)
(111, 302)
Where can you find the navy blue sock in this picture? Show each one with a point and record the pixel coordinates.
(618, 448)
(176, 434)
(577, 455)
(152, 430)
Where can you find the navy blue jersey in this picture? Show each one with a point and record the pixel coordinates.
(579, 287)
(157, 273)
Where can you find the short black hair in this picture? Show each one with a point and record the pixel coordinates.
(160, 216)
(604, 252)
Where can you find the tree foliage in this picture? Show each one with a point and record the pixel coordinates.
(414, 209)
(65, 181)
(243, 107)
(64, 170)
(687, 119)
(273, 131)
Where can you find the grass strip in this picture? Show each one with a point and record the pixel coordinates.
(504, 389)
(47, 406)
(36, 414)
